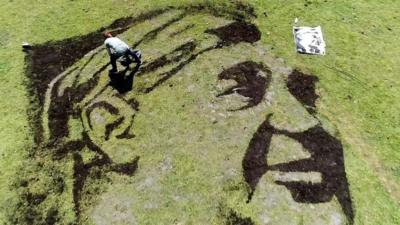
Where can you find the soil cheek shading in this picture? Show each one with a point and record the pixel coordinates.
(302, 87)
(255, 160)
(250, 83)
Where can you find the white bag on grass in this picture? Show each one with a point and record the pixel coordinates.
(309, 40)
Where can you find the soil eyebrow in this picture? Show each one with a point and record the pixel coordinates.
(236, 32)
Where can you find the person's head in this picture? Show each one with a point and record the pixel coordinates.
(213, 117)
(107, 35)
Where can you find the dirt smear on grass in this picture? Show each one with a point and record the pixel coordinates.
(234, 219)
(326, 158)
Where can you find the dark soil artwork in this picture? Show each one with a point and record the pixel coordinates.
(302, 87)
(46, 61)
(326, 151)
(250, 83)
(326, 158)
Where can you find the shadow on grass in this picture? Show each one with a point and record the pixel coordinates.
(123, 81)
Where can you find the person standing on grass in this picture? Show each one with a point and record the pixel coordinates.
(116, 48)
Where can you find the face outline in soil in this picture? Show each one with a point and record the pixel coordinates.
(88, 104)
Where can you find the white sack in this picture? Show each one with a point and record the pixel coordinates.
(309, 40)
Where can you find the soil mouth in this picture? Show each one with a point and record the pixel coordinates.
(326, 158)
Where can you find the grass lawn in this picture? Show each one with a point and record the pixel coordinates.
(180, 173)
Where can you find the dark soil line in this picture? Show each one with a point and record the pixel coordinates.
(241, 12)
(126, 133)
(83, 171)
(175, 56)
(103, 104)
(166, 76)
(62, 106)
(188, 27)
(134, 104)
(112, 126)
(153, 33)
(83, 67)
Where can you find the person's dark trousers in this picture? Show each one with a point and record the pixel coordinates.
(129, 52)
(113, 61)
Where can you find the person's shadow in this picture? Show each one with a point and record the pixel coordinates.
(121, 81)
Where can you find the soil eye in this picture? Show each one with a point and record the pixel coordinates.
(302, 87)
(252, 81)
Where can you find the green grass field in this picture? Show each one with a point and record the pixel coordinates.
(183, 133)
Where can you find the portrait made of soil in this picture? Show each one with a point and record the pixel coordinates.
(109, 151)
